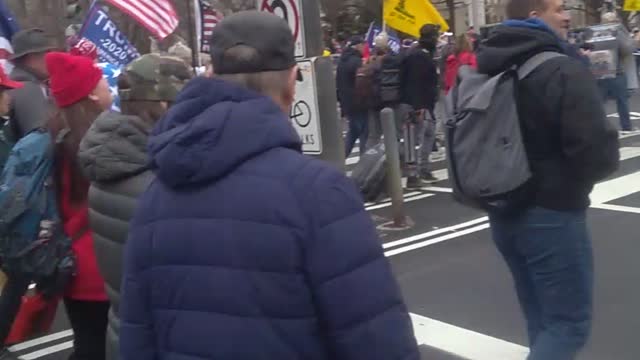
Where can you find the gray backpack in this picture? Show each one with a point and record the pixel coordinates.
(488, 161)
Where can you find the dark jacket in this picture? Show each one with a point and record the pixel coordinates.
(419, 78)
(244, 248)
(30, 107)
(113, 156)
(348, 65)
(570, 143)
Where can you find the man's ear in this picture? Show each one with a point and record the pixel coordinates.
(533, 14)
(93, 97)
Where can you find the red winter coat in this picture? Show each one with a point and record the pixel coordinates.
(453, 63)
(88, 284)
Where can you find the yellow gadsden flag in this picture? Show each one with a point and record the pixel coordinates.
(409, 16)
(631, 5)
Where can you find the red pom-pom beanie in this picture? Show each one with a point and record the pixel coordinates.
(71, 78)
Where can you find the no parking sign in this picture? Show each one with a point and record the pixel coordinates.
(291, 11)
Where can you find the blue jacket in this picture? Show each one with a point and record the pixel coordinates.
(244, 248)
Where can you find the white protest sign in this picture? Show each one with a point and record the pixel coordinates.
(304, 115)
(291, 11)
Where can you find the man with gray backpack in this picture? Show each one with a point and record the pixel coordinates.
(527, 140)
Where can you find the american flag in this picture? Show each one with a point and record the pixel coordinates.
(208, 18)
(158, 16)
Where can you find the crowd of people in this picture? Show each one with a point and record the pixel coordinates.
(410, 82)
(201, 231)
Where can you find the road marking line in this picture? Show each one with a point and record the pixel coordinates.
(437, 189)
(42, 340)
(406, 200)
(621, 208)
(412, 193)
(436, 240)
(635, 133)
(631, 116)
(47, 351)
(603, 192)
(435, 232)
(464, 343)
(616, 188)
(627, 153)
(352, 160)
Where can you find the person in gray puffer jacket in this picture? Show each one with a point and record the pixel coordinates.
(113, 155)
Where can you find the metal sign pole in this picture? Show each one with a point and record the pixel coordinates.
(314, 113)
(330, 122)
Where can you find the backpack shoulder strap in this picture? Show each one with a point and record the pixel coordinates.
(527, 68)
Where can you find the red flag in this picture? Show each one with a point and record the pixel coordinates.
(158, 16)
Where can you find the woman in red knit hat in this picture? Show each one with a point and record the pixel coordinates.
(81, 94)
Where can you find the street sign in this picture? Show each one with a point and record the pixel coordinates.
(291, 11)
(304, 115)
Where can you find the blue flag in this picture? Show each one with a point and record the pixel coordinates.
(110, 73)
(8, 27)
(394, 39)
(113, 47)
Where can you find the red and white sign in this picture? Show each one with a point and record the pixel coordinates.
(291, 11)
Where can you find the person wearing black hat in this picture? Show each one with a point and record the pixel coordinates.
(31, 105)
(419, 93)
(244, 248)
(348, 65)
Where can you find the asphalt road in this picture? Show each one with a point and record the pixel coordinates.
(458, 289)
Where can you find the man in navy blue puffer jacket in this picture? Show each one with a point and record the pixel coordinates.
(243, 248)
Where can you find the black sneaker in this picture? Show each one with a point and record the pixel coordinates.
(413, 182)
(5, 354)
(429, 178)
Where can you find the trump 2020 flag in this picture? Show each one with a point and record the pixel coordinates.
(408, 16)
(375, 30)
(113, 46)
(8, 27)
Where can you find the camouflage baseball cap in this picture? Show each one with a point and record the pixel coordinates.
(153, 77)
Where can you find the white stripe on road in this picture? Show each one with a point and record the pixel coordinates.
(632, 134)
(47, 351)
(464, 343)
(406, 200)
(616, 188)
(627, 153)
(438, 189)
(632, 116)
(41, 340)
(413, 193)
(603, 193)
(627, 209)
(436, 240)
(434, 232)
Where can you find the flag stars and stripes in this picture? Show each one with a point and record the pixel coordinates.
(158, 16)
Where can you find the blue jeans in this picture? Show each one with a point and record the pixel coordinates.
(616, 89)
(550, 257)
(358, 129)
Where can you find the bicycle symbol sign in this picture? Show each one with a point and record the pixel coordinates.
(301, 113)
